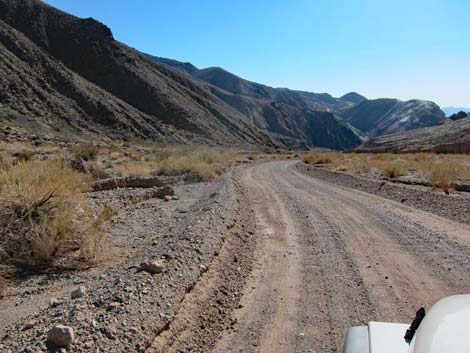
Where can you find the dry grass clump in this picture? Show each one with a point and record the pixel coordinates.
(4, 164)
(321, 157)
(87, 152)
(205, 162)
(24, 155)
(134, 168)
(443, 174)
(393, 169)
(45, 221)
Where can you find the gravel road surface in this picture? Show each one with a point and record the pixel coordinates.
(326, 257)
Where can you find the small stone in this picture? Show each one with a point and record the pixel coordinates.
(153, 267)
(78, 293)
(54, 302)
(61, 336)
(168, 198)
(110, 332)
(30, 324)
(114, 305)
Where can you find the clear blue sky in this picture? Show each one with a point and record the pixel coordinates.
(380, 48)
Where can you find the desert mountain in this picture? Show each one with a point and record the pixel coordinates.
(66, 73)
(449, 137)
(86, 55)
(385, 116)
(365, 118)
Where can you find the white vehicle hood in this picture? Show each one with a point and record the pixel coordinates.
(387, 338)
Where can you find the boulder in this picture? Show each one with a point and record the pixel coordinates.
(61, 336)
(78, 292)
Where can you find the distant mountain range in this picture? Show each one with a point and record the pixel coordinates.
(63, 73)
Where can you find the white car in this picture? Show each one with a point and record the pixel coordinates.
(442, 329)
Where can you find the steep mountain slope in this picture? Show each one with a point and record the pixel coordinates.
(87, 48)
(384, 116)
(40, 92)
(450, 137)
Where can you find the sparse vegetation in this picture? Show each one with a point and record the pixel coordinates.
(87, 152)
(45, 220)
(24, 155)
(320, 157)
(4, 165)
(440, 170)
(443, 174)
(176, 160)
(394, 169)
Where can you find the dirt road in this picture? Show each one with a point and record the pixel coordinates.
(324, 258)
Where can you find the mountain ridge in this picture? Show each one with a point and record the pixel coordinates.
(115, 89)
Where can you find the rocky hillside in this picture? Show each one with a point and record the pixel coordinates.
(385, 116)
(97, 83)
(450, 137)
(63, 73)
(60, 72)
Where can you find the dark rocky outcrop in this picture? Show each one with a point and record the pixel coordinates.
(459, 115)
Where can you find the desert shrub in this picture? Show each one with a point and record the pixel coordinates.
(175, 165)
(87, 152)
(205, 162)
(161, 155)
(317, 158)
(443, 174)
(24, 155)
(98, 172)
(45, 221)
(4, 164)
(393, 169)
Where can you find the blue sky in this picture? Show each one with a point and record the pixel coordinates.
(379, 48)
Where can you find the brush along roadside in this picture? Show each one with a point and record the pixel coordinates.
(46, 224)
